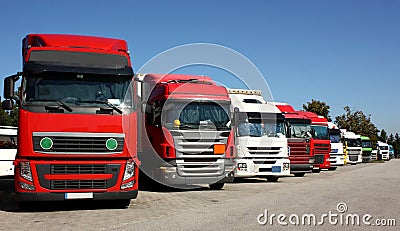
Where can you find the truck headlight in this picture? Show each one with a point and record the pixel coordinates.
(286, 166)
(129, 170)
(25, 171)
(26, 186)
(128, 185)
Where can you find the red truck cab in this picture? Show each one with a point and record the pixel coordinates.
(320, 143)
(77, 120)
(187, 127)
(299, 137)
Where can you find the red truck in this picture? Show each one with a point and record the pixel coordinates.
(77, 120)
(188, 138)
(299, 140)
(320, 143)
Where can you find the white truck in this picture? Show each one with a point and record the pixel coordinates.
(383, 150)
(260, 137)
(337, 156)
(8, 150)
(352, 146)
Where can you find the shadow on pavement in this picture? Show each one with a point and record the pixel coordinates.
(8, 203)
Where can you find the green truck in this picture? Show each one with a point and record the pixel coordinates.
(366, 149)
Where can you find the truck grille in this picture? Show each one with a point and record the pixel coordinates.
(264, 150)
(197, 143)
(353, 158)
(76, 143)
(322, 148)
(78, 169)
(318, 159)
(78, 184)
(354, 152)
(205, 168)
(299, 148)
(69, 171)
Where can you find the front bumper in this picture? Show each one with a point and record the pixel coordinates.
(36, 196)
(170, 176)
(262, 167)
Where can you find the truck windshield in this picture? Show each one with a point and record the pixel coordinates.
(300, 130)
(8, 142)
(196, 115)
(354, 142)
(259, 124)
(335, 138)
(320, 132)
(261, 129)
(383, 148)
(366, 144)
(79, 89)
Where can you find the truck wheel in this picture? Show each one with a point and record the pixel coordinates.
(123, 203)
(216, 186)
(332, 168)
(272, 178)
(299, 174)
(318, 170)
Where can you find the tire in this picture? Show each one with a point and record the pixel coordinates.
(216, 186)
(272, 178)
(316, 170)
(299, 174)
(332, 168)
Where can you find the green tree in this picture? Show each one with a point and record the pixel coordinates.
(383, 136)
(396, 144)
(319, 108)
(391, 139)
(358, 122)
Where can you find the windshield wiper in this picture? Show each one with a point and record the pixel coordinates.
(102, 102)
(59, 102)
(66, 107)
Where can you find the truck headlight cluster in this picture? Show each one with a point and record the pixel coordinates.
(129, 170)
(25, 171)
(286, 166)
(128, 174)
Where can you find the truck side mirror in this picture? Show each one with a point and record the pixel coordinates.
(9, 85)
(235, 116)
(7, 104)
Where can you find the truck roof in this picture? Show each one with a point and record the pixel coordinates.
(61, 52)
(315, 119)
(283, 107)
(351, 135)
(179, 86)
(380, 143)
(165, 78)
(365, 138)
(332, 126)
(289, 114)
(75, 41)
(250, 101)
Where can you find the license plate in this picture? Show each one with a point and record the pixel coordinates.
(276, 168)
(69, 196)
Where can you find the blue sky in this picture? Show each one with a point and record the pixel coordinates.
(343, 52)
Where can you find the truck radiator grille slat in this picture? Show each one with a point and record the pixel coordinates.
(65, 144)
(78, 184)
(78, 169)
